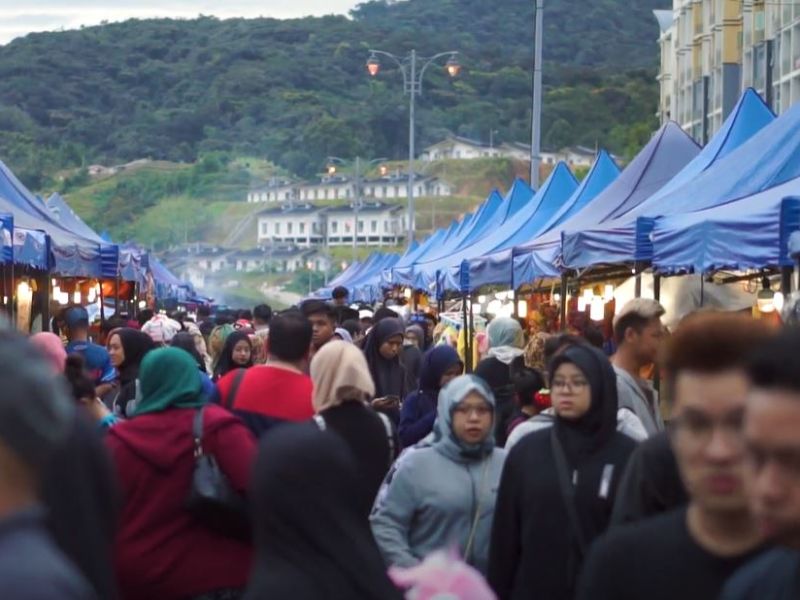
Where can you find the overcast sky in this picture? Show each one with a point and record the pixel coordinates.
(19, 17)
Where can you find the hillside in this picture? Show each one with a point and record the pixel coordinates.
(296, 91)
(161, 204)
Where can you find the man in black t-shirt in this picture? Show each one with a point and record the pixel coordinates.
(773, 470)
(689, 552)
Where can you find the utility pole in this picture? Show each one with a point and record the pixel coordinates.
(356, 207)
(536, 120)
(411, 132)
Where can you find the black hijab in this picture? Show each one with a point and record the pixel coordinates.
(311, 540)
(225, 364)
(388, 375)
(583, 437)
(136, 345)
(185, 341)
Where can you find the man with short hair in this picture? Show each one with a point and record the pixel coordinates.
(689, 552)
(280, 390)
(96, 358)
(772, 443)
(35, 420)
(261, 318)
(340, 296)
(638, 332)
(323, 322)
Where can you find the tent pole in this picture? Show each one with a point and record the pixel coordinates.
(102, 302)
(786, 280)
(702, 291)
(638, 285)
(43, 283)
(116, 295)
(657, 287)
(469, 337)
(464, 326)
(563, 315)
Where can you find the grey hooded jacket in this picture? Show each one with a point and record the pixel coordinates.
(436, 493)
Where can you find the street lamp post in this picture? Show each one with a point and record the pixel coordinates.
(536, 115)
(357, 202)
(412, 85)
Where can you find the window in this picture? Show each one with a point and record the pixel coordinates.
(264, 231)
(373, 226)
(334, 226)
(277, 228)
(302, 227)
(360, 226)
(386, 227)
(289, 227)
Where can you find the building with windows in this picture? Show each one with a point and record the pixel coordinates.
(701, 63)
(307, 225)
(711, 50)
(342, 187)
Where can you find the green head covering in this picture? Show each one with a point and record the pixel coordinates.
(168, 378)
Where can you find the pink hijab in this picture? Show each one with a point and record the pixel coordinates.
(52, 348)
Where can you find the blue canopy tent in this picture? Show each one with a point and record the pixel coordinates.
(488, 217)
(367, 288)
(515, 207)
(453, 272)
(497, 267)
(404, 267)
(750, 233)
(72, 254)
(669, 150)
(626, 238)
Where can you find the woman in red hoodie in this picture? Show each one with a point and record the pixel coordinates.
(161, 551)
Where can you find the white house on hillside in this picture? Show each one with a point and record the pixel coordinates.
(341, 187)
(307, 225)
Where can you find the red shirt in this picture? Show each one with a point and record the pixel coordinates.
(273, 392)
(161, 551)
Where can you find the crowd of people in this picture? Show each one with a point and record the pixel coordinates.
(325, 453)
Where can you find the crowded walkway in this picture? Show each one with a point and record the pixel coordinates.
(325, 453)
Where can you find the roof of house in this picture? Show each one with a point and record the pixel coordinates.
(367, 207)
(290, 209)
(457, 138)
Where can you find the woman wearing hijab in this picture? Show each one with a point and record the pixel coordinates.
(411, 355)
(504, 358)
(343, 389)
(312, 541)
(548, 515)
(440, 365)
(382, 351)
(185, 341)
(162, 550)
(127, 348)
(237, 353)
(444, 494)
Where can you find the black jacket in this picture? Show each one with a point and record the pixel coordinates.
(533, 551)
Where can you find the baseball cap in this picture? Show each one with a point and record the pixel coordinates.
(76, 316)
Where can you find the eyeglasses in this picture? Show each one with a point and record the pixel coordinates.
(468, 411)
(574, 385)
(699, 429)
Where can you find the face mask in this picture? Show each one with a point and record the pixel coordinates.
(408, 342)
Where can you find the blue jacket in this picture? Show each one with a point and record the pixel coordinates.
(419, 408)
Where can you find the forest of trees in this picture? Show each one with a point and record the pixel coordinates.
(296, 91)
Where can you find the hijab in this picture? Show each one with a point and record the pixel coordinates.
(168, 379)
(311, 539)
(389, 375)
(52, 348)
(506, 339)
(435, 363)
(446, 441)
(582, 437)
(340, 374)
(343, 334)
(136, 345)
(225, 363)
(186, 341)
